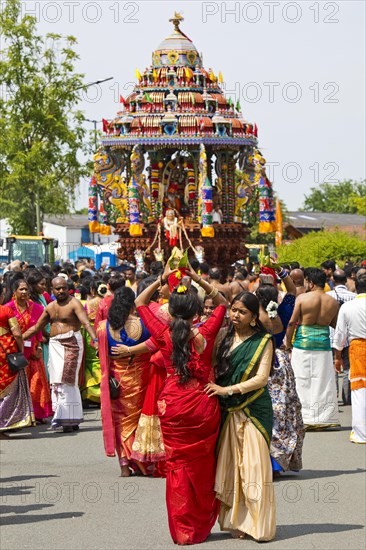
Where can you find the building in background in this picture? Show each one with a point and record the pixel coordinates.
(71, 232)
(300, 223)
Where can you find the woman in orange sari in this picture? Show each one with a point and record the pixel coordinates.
(16, 409)
(27, 314)
(120, 416)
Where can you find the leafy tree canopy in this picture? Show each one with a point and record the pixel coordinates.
(314, 248)
(345, 197)
(41, 127)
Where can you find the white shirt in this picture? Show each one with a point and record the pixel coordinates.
(351, 322)
(340, 292)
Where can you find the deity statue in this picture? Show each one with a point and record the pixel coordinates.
(172, 226)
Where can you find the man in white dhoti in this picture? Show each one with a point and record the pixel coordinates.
(312, 360)
(351, 326)
(66, 316)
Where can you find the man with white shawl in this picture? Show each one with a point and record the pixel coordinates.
(66, 315)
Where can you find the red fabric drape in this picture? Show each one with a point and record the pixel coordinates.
(190, 422)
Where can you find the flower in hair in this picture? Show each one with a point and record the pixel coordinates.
(102, 289)
(271, 309)
(182, 289)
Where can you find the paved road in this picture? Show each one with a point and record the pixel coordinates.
(60, 491)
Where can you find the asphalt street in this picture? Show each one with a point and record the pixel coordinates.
(59, 491)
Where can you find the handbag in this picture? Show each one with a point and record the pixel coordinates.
(16, 361)
(113, 387)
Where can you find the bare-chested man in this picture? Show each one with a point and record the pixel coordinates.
(297, 275)
(239, 283)
(66, 315)
(311, 358)
(215, 275)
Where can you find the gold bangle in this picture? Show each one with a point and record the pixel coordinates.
(214, 292)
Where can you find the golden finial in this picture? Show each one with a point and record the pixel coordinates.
(176, 20)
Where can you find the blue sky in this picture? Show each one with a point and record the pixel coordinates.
(297, 68)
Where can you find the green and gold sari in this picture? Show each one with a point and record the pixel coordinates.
(243, 481)
(257, 404)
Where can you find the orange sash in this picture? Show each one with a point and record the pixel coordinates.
(357, 357)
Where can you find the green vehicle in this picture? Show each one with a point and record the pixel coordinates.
(254, 251)
(34, 250)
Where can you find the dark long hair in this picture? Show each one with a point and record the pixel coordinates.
(147, 282)
(12, 284)
(182, 307)
(122, 303)
(251, 302)
(33, 277)
(266, 294)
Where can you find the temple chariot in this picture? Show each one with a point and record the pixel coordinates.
(178, 164)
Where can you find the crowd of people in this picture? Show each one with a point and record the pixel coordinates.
(210, 381)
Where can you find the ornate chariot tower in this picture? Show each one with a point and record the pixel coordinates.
(165, 173)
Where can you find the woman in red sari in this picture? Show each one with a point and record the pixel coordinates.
(189, 420)
(27, 314)
(15, 401)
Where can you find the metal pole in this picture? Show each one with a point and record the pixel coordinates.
(94, 122)
(38, 214)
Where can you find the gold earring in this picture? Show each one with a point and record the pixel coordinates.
(253, 323)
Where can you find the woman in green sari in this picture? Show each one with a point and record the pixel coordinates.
(244, 472)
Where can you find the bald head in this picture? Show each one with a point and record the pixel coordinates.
(59, 281)
(60, 289)
(339, 277)
(298, 277)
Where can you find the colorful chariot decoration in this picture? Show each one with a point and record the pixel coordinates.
(165, 174)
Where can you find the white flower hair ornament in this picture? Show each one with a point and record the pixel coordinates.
(271, 309)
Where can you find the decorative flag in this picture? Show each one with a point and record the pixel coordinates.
(105, 126)
(230, 102)
(207, 229)
(134, 209)
(148, 97)
(267, 218)
(255, 130)
(138, 74)
(122, 100)
(212, 76)
(93, 206)
(278, 223)
(221, 80)
(237, 106)
(104, 227)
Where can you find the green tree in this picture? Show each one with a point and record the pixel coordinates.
(42, 133)
(345, 197)
(314, 248)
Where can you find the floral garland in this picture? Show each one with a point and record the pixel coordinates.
(271, 309)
